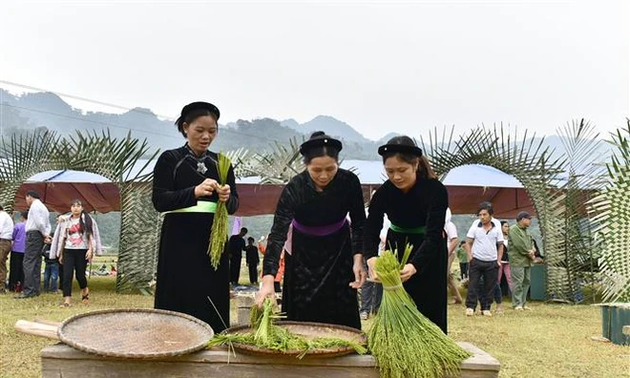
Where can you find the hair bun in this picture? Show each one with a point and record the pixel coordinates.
(200, 105)
(319, 139)
(317, 134)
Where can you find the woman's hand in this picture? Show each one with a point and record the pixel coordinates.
(266, 291)
(370, 263)
(223, 192)
(407, 271)
(88, 255)
(206, 188)
(359, 272)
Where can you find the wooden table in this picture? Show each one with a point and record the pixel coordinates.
(62, 361)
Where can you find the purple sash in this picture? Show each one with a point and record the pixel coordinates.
(319, 230)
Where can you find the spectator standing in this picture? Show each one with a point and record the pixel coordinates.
(262, 248)
(236, 246)
(484, 246)
(77, 243)
(522, 254)
(252, 259)
(51, 270)
(504, 269)
(37, 232)
(463, 261)
(451, 244)
(16, 264)
(6, 238)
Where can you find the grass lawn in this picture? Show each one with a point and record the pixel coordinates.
(551, 340)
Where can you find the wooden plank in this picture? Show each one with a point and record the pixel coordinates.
(61, 360)
(145, 369)
(220, 356)
(477, 374)
(480, 360)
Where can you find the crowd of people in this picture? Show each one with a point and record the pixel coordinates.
(485, 261)
(64, 252)
(320, 251)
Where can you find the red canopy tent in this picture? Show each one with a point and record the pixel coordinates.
(507, 202)
(262, 199)
(58, 189)
(99, 197)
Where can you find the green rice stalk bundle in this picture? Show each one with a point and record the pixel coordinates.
(218, 234)
(404, 342)
(266, 335)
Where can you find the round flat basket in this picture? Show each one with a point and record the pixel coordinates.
(310, 330)
(135, 333)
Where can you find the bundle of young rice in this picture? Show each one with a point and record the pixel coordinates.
(404, 342)
(218, 234)
(265, 334)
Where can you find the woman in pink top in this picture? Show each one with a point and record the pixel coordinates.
(76, 246)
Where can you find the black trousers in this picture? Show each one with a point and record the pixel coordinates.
(463, 268)
(73, 261)
(489, 270)
(235, 268)
(253, 273)
(33, 263)
(16, 272)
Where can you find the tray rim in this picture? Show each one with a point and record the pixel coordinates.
(133, 355)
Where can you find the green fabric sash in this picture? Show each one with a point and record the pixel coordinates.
(200, 207)
(407, 230)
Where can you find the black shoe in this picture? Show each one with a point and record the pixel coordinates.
(25, 296)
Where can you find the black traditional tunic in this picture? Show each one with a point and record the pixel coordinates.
(424, 205)
(185, 277)
(319, 269)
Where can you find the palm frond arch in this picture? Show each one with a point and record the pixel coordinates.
(26, 155)
(534, 165)
(612, 223)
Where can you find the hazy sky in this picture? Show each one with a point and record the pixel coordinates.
(380, 66)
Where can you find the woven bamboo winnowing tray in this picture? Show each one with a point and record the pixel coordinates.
(135, 333)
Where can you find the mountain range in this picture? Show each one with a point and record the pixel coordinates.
(40, 110)
(44, 110)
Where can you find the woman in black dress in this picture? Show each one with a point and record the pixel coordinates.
(186, 189)
(415, 202)
(323, 268)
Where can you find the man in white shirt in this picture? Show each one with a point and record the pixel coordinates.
(37, 233)
(6, 235)
(484, 247)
